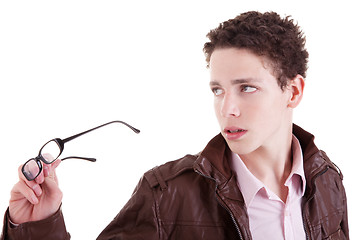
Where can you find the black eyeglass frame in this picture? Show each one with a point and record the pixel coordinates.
(61, 142)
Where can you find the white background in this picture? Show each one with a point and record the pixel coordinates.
(66, 66)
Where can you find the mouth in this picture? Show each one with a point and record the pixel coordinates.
(234, 133)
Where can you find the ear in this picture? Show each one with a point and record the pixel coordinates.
(296, 87)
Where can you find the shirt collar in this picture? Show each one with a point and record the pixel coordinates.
(297, 166)
(249, 185)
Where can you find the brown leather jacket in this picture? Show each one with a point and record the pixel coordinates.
(196, 197)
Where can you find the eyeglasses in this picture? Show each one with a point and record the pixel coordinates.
(52, 151)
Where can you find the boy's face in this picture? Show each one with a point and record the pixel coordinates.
(252, 110)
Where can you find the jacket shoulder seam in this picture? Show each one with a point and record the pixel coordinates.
(160, 175)
(331, 164)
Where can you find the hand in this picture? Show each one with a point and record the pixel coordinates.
(38, 199)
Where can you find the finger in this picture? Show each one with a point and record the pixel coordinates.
(53, 166)
(48, 168)
(56, 163)
(40, 178)
(21, 190)
(52, 169)
(34, 185)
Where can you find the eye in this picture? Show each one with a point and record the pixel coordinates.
(217, 91)
(248, 89)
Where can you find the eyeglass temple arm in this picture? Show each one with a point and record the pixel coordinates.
(79, 134)
(82, 158)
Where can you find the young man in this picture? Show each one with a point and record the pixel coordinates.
(261, 178)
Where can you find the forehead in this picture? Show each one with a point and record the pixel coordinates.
(233, 64)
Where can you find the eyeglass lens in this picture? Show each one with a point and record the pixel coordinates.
(50, 152)
(31, 169)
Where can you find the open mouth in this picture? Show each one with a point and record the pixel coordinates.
(235, 131)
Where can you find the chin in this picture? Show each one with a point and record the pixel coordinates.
(240, 148)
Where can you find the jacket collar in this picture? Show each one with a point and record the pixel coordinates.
(306, 140)
(213, 161)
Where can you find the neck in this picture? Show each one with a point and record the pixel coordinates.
(272, 162)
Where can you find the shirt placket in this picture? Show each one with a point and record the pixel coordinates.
(293, 200)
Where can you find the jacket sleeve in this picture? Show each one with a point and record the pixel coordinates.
(137, 219)
(344, 223)
(49, 228)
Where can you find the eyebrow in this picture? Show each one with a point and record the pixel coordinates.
(236, 81)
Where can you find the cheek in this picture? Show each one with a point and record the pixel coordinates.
(260, 112)
(217, 108)
(269, 113)
(254, 111)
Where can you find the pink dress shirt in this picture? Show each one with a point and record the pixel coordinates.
(269, 216)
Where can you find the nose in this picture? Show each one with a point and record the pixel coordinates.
(229, 107)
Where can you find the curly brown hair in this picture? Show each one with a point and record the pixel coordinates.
(265, 34)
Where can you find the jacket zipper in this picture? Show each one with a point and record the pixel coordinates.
(312, 195)
(232, 217)
(222, 205)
